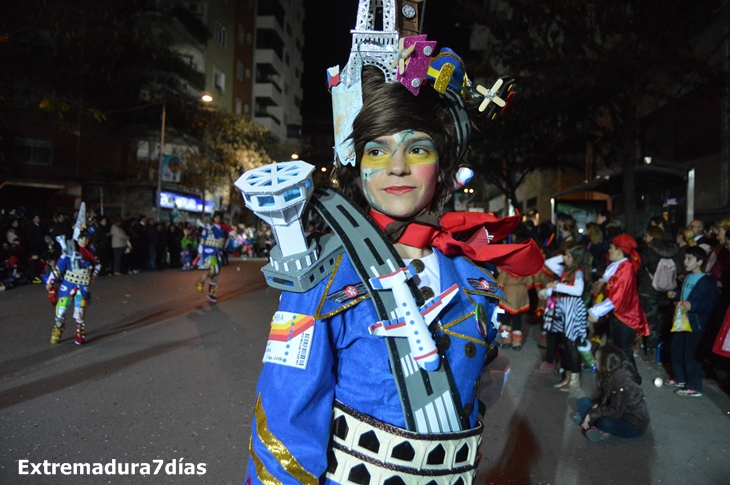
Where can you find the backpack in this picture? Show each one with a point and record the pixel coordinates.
(665, 276)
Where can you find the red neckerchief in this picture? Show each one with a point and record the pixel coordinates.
(466, 234)
(87, 255)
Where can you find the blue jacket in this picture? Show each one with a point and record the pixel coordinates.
(291, 426)
(702, 297)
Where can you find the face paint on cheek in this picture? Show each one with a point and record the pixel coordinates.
(367, 173)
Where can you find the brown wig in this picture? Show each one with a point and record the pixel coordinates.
(390, 108)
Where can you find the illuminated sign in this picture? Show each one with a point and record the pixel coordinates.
(168, 200)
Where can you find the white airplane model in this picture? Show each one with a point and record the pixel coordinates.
(411, 321)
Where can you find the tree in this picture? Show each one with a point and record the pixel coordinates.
(226, 146)
(584, 71)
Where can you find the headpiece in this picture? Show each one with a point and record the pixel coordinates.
(627, 244)
(407, 60)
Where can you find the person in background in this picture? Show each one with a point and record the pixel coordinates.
(188, 246)
(620, 408)
(36, 236)
(102, 242)
(627, 320)
(153, 240)
(565, 318)
(593, 240)
(698, 229)
(655, 303)
(685, 239)
(119, 243)
(516, 303)
(697, 298)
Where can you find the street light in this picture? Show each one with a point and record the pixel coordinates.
(205, 97)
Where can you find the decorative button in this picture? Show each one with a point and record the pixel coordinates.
(426, 292)
(470, 349)
(444, 342)
(409, 12)
(418, 265)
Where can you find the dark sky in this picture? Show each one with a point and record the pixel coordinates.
(327, 41)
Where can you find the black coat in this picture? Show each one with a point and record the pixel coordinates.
(622, 397)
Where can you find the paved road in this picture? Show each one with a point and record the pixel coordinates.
(167, 376)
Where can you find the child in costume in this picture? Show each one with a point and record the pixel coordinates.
(566, 317)
(622, 296)
(344, 392)
(188, 245)
(75, 269)
(212, 243)
(696, 298)
(515, 306)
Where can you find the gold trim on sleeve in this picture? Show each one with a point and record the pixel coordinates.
(278, 450)
(342, 308)
(327, 288)
(261, 472)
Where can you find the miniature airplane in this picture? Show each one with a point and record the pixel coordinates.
(411, 321)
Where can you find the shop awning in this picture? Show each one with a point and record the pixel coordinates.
(647, 178)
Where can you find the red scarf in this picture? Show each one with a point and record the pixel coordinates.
(87, 255)
(466, 234)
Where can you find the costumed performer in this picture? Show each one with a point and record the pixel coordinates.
(337, 410)
(76, 268)
(212, 243)
(622, 296)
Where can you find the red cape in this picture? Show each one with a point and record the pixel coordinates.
(621, 289)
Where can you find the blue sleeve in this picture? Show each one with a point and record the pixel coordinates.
(290, 430)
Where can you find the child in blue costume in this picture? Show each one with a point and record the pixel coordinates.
(213, 242)
(332, 413)
(75, 269)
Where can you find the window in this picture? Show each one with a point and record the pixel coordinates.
(219, 79)
(241, 34)
(220, 34)
(248, 73)
(246, 108)
(33, 152)
(249, 38)
(239, 70)
(238, 107)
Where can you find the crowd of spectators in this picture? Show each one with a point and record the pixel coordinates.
(124, 246)
(660, 250)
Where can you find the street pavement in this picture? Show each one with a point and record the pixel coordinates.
(166, 376)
